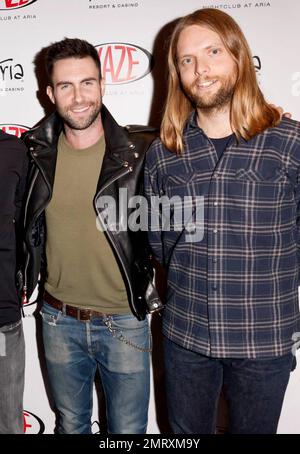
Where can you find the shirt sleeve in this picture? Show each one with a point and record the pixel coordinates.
(152, 193)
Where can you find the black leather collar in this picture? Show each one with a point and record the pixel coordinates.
(47, 133)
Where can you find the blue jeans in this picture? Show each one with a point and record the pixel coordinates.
(12, 365)
(254, 390)
(118, 346)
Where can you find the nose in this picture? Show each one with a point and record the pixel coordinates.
(77, 94)
(201, 67)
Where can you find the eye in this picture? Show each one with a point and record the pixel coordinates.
(64, 86)
(186, 61)
(215, 51)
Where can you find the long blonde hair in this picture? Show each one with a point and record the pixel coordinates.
(250, 113)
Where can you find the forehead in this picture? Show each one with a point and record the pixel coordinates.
(69, 68)
(196, 37)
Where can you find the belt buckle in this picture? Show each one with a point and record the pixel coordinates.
(84, 315)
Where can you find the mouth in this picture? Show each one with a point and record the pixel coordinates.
(79, 110)
(206, 85)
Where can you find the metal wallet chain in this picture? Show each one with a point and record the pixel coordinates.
(119, 335)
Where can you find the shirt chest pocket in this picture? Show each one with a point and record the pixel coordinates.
(276, 175)
(180, 186)
(262, 196)
(271, 183)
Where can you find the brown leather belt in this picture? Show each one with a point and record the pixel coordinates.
(72, 311)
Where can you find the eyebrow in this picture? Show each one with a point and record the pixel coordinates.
(63, 82)
(217, 44)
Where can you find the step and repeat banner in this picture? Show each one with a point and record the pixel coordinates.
(131, 38)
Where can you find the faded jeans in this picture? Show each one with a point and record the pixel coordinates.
(12, 366)
(118, 346)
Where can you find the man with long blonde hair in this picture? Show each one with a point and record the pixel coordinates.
(232, 301)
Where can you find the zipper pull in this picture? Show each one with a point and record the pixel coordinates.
(24, 296)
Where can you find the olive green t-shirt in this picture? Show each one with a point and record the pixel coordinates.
(81, 267)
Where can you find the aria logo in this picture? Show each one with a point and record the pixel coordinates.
(10, 71)
(11, 76)
(123, 63)
(13, 129)
(32, 423)
(6, 5)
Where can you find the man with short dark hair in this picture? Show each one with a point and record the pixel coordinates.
(13, 169)
(97, 276)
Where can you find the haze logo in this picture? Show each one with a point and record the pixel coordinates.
(123, 63)
(6, 5)
(32, 423)
(13, 129)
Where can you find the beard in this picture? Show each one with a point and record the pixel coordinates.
(80, 124)
(211, 101)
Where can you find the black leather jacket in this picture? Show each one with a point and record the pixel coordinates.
(121, 168)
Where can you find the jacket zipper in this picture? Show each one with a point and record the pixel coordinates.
(128, 170)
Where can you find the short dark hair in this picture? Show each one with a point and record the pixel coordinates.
(69, 48)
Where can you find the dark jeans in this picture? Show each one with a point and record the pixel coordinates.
(254, 390)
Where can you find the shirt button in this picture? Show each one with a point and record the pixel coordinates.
(216, 174)
(215, 204)
(214, 260)
(214, 287)
(215, 230)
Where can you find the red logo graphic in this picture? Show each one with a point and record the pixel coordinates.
(14, 4)
(14, 129)
(122, 63)
(32, 423)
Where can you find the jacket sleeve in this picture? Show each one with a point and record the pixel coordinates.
(19, 206)
(152, 193)
(21, 187)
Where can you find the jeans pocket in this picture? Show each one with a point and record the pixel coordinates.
(129, 330)
(128, 322)
(11, 326)
(50, 315)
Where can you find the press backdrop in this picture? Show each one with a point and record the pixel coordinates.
(131, 38)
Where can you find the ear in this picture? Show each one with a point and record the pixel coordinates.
(50, 94)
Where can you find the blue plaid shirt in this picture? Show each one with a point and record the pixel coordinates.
(235, 292)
